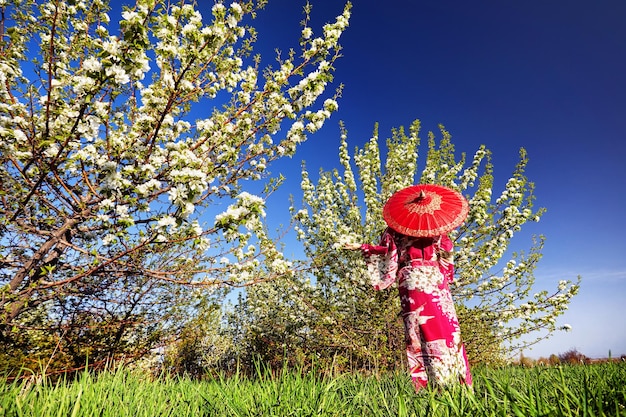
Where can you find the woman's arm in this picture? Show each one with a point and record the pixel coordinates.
(381, 260)
(367, 249)
(445, 257)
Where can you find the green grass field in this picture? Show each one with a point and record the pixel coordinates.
(581, 390)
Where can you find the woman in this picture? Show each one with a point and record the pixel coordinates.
(423, 267)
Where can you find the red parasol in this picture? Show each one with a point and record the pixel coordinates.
(425, 210)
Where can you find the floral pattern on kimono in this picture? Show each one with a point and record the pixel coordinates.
(423, 268)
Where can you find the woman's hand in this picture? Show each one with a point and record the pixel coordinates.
(352, 246)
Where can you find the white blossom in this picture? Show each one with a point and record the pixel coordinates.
(166, 221)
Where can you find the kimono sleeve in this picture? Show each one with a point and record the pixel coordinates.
(445, 257)
(381, 261)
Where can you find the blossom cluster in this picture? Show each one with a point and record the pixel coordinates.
(246, 211)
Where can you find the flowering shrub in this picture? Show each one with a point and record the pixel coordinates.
(500, 312)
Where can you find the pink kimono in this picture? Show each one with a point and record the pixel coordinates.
(423, 268)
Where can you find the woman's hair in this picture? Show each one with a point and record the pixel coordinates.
(444, 254)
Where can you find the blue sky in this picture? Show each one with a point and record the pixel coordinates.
(546, 76)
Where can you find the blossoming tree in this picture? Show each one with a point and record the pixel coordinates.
(117, 140)
(500, 310)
